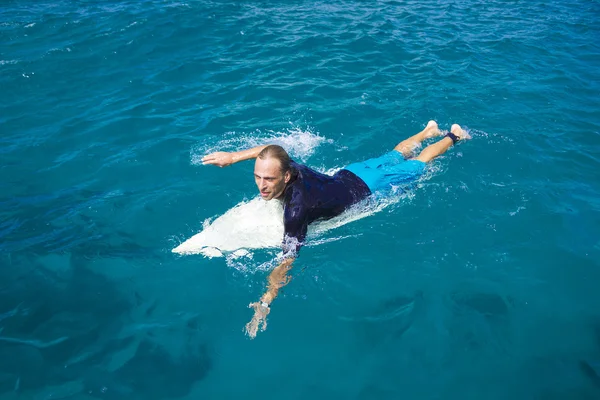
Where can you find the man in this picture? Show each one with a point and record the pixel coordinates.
(308, 195)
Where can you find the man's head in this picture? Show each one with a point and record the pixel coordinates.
(272, 172)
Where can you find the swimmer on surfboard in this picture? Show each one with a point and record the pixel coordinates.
(308, 195)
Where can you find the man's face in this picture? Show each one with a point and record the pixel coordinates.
(269, 178)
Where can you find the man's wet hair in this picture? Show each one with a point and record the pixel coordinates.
(277, 152)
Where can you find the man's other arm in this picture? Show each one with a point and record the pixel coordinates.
(295, 226)
(224, 158)
(277, 279)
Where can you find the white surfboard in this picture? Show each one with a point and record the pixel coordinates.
(258, 224)
(254, 224)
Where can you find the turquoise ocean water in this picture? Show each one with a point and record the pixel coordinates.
(482, 282)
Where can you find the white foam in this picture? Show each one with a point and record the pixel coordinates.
(318, 242)
(327, 171)
(299, 143)
(178, 4)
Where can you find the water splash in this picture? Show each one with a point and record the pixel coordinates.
(299, 143)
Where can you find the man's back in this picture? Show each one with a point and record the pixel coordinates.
(311, 195)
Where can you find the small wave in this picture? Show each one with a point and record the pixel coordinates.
(178, 5)
(299, 143)
(8, 62)
(134, 23)
(56, 49)
(318, 242)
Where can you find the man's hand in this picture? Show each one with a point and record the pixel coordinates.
(277, 279)
(260, 317)
(220, 159)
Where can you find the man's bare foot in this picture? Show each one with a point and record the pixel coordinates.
(460, 133)
(432, 130)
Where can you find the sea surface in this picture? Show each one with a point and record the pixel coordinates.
(480, 282)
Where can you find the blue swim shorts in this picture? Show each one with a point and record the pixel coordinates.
(391, 169)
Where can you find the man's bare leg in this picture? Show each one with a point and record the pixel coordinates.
(408, 146)
(433, 150)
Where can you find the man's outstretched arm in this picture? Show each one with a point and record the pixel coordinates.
(277, 279)
(224, 158)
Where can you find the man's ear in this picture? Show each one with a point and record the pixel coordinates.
(287, 176)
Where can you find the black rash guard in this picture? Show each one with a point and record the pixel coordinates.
(310, 196)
